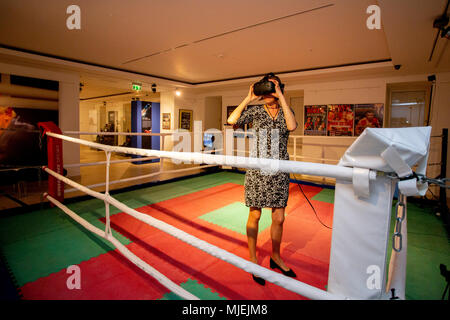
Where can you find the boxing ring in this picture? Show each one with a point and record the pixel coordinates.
(365, 177)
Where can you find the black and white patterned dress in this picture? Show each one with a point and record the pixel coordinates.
(266, 189)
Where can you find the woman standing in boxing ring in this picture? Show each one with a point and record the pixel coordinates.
(267, 190)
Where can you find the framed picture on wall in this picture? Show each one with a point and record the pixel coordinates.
(315, 120)
(185, 119)
(146, 111)
(230, 110)
(166, 121)
(340, 119)
(368, 116)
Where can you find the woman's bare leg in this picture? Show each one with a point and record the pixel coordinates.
(276, 233)
(252, 232)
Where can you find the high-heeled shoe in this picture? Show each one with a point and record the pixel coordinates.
(259, 280)
(289, 273)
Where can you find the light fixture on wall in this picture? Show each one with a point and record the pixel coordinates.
(177, 92)
(406, 103)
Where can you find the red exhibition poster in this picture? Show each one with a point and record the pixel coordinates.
(368, 116)
(340, 119)
(315, 120)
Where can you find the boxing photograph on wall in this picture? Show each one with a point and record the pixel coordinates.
(340, 120)
(315, 120)
(368, 116)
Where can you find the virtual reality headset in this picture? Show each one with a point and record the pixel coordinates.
(266, 87)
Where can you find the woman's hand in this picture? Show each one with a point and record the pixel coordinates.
(251, 95)
(288, 115)
(278, 93)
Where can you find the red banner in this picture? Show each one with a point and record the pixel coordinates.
(55, 160)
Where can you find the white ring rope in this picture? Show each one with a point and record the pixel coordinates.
(271, 276)
(169, 284)
(314, 169)
(302, 157)
(89, 164)
(145, 176)
(98, 163)
(107, 133)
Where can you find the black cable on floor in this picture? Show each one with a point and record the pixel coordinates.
(310, 204)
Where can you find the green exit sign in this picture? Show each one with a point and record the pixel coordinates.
(136, 87)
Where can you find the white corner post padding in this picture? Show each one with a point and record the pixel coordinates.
(360, 240)
(361, 221)
(393, 150)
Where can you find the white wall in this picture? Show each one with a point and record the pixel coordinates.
(88, 119)
(167, 105)
(213, 113)
(69, 120)
(338, 92)
(170, 103)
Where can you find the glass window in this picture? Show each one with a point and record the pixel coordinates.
(407, 108)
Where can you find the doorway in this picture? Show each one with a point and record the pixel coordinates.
(408, 104)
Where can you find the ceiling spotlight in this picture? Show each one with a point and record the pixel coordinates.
(178, 92)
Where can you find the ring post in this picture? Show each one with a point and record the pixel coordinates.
(361, 220)
(55, 159)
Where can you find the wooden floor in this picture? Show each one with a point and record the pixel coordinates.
(28, 193)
